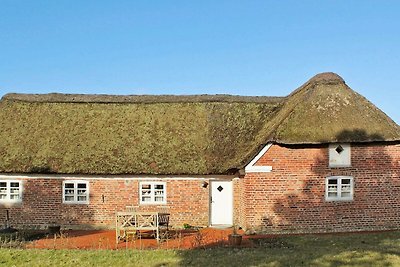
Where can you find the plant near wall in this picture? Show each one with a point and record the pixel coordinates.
(186, 226)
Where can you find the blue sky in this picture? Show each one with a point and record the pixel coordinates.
(199, 47)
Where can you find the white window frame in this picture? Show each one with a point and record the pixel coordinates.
(339, 196)
(344, 159)
(76, 182)
(8, 199)
(152, 194)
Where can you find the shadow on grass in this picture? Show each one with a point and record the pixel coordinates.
(356, 249)
(366, 249)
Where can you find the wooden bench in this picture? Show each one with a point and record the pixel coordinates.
(132, 222)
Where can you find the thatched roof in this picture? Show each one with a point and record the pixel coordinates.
(97, 134)
(326, 110)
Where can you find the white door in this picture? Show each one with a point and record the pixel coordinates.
(221, 203)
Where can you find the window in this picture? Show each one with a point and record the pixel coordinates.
(153, 193)
(339, 155)
(339, 188)
(76, 192)
(10, 191)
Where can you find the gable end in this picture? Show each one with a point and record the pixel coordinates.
(251, 168)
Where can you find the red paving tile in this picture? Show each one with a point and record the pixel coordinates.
(105, 239)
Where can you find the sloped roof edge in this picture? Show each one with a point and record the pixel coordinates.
(136, 99)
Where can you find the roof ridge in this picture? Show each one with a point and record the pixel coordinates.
(327, 78)
(100, 98)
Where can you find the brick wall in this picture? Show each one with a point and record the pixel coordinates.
(237, 201)
(42, 203)
(291, 198)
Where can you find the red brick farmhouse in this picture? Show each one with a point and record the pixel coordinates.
(323, 159)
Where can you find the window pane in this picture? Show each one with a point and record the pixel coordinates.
(159, 186)
(146, 186)
(81, 191)
(14, 184)
(146, 192)
(3, 196)
(82, 198)
(69, 191)
(346, 188)
(159, 192)
(345, 181)
(14, 197)
(69, 198)
(346, 194)
(159, 199)
(69, 185)
(146, 199)
(3, 190)
(14, 190)
(81, 185)
(332, 188)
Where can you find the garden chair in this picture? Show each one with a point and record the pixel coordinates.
(132, 231)
(163, 221)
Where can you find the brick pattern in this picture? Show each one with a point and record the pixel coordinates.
(241, 212)
(187, 200)
(236, 201)
(291, 198)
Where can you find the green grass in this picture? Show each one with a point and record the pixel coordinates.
(377, 249)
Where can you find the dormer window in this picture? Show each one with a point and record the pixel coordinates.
(339, 155)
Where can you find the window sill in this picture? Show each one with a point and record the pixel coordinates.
(339, 166)
(75, 203)
(10, 202)
(339, 200)
(152, 203)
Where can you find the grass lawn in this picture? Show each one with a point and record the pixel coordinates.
(373, 249)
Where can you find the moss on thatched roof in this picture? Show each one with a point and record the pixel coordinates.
(326, 110)
(97, 134)
(139, 99)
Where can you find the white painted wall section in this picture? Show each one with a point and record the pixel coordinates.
(339, 155)
(251, 168)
